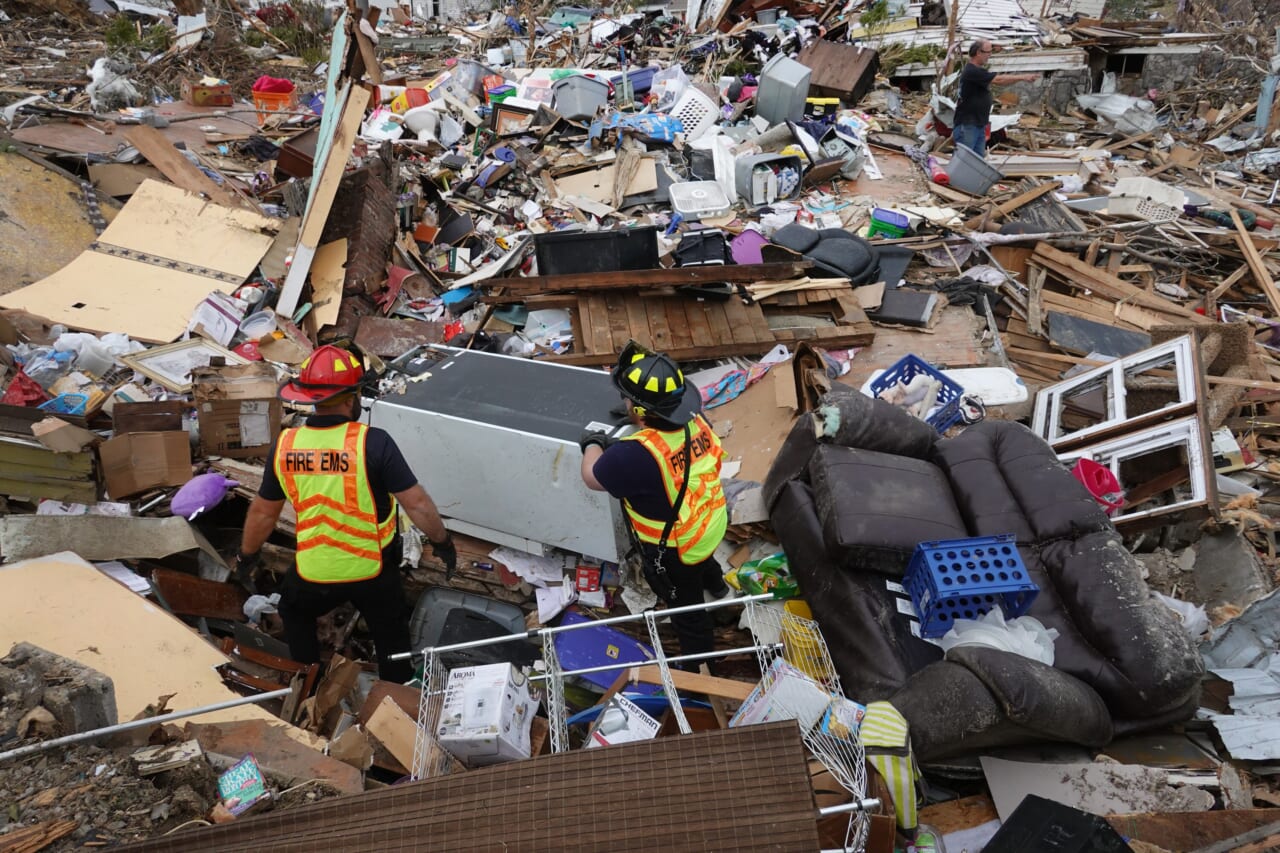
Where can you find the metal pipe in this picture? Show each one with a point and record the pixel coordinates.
(538, 633)
(855, 806)
(137, 724)
(654, 661)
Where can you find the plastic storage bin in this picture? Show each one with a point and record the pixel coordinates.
(890, 223)
(578, 97)
(784, 87)
(268, 103)
(964, 578)
(947, 412)
(970, 173)
(755, 194)
(641, 79)
(696, 199)
(445, 616)
(1146, 198)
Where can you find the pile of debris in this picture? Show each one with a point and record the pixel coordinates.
(488, 208)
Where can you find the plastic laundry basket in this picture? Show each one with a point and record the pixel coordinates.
(970, 173)
(696, 111)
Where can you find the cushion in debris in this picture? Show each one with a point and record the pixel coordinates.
(869, 636)
(853, 258)
(876, 507)
(1008, 480)
(1006, 700)
(795, 237)
(1131, 648)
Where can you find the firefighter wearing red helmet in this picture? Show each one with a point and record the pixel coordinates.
(344, 480)
(667, 475)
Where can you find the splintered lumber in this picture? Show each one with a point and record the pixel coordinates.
(32, 839)
(1256, 265)
(1079, 274)
(672, 276)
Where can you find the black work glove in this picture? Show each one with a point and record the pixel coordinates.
(246, 566)
(446, 553)
(590, 436)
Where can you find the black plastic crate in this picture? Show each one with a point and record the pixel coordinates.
(575, 252)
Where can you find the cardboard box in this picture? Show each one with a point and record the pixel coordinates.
(785, 693)
(621, 721)
(486, 714)
(238, 411)
(139, 461)
(199, 95)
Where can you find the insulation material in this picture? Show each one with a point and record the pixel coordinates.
(670, 793)
(163, 254)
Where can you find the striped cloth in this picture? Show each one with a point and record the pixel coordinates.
(887, 740)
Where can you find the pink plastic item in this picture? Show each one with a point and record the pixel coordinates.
(1100, 482)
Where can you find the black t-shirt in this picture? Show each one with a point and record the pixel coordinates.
(387, 471)
(628, 471)
(974, 105)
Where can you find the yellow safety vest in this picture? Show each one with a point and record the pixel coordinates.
(323, 471)
(702, 518)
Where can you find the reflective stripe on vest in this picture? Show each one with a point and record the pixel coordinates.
(323, 472)
(702, 519)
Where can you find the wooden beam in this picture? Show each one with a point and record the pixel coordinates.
(1079, 274)
(1256, 264)
(160, 152)
(695, 682)
(1016, 202)
(672, 276)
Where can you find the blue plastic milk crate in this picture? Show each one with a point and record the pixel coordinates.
(66, 404)
(947, 412)
(964, 578)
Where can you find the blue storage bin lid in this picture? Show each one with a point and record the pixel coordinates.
(602, 646)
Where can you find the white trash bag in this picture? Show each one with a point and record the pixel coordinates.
(1025, 636)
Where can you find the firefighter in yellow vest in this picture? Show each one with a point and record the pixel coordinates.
(344, 480)
(667, 475)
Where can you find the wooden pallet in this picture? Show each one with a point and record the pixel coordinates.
(694, 330)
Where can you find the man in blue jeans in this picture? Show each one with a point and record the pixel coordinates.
(973, 108)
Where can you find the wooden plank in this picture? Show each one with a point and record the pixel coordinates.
(659, 334)
(1211, 298)
(619, 329)
(718, 320)
(1016, 202)
(677, 322)
(597, 320)
(1079, 274)
(637, 318)
(740, 324)
(1035, 287)
(635, 279)
(696, 314)
(160, 152)
(1256, 264)
(325, 188)
(695, 682)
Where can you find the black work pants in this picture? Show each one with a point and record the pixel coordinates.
(380, 601)
(695, 630)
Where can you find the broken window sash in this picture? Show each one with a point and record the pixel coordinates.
(1070, 397)
(1186, 435)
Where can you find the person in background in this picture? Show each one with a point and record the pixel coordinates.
(667, 476)
(973, 108)
(344, 480)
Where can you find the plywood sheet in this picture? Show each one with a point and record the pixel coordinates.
(327, 272)
(166, 251)
(64, 605)
(43, 223)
